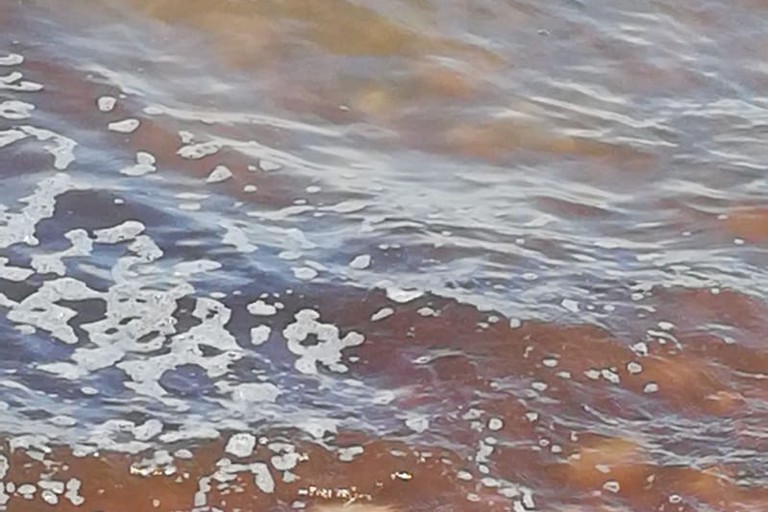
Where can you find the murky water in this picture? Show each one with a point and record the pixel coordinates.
(448, 255)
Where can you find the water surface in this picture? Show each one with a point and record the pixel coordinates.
(442, 255)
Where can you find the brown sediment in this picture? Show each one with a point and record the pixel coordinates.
(599, 460)
(407, 477)
(495, 141)
(71, 94)
(750, 224)
(337, 27)
(352, 507)
(694, 312)
(481, 402)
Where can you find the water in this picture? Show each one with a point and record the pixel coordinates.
(435, 255)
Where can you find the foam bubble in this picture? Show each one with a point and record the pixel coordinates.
(349, 453)
(304, 273)
(12, 59)
(240, 445)
(218, 174)
(17, 274)
(328, 349)
(252, 392)
(148, 429)
(382, 314)
(8, 137)
(261, 308)
(62, 148)
(106, 103)
(361, 262)
(125, 126)
(263, 478)
(495, 424)
(198, 151)
(53, 263)
(237, 237)
(127, 230)
(402, 296)
(16, 110)
(418, 425)
(40, 309)
(72, 494)
(145, 164)
(260, 334)
(13, 82)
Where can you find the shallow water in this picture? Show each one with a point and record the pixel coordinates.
(440, 255)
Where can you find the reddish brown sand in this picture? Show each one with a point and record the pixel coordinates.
(590, 468)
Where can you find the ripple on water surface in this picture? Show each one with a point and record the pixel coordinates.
(273, 256)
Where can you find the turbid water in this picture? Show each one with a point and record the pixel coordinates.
(434, 255)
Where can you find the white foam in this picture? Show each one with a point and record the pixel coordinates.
(418, 425)
(240, 445)
(40, 309)
(192, 196)
(125, 126)
(268, 166)
(189, 268)
(253, 393)
(12, 59)
(260, 334)
(185, 348)
(72, 494)
(16, 110)
(361, 262)
(218, 174)
(148, 429)
(261, 308)
(127, 230)
(650, 387)
(382, 314)
(27, 490)
(106, 103)
(237, 237)
(62, 148)
(304, 273)
(186, 137)
(495, 424)
(263, 478)
(328, 349)
(402, 295)
(8, 137)
(349, 453)
(145, 164)
(10, 273)
(53, 263)
(197, 151)
(13, 82)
